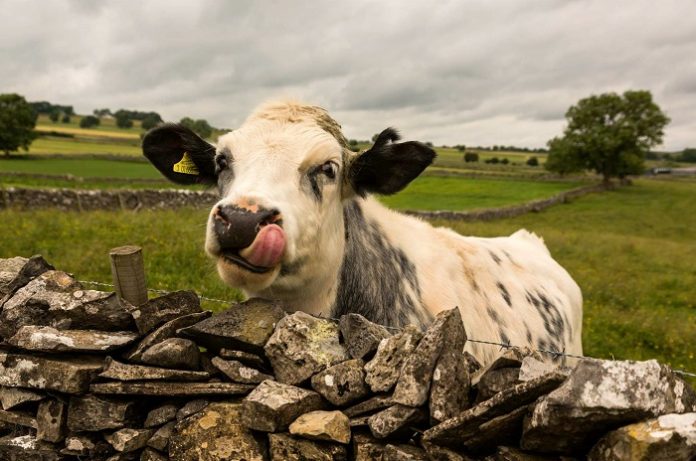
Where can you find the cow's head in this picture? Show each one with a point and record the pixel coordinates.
(283, 178)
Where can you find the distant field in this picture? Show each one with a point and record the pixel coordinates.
(55, 145)
(106, 125)
(87, 167)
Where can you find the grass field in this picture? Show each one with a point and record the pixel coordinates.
(87, 167)
(631, 251)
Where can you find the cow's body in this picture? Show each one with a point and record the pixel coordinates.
(342, 251)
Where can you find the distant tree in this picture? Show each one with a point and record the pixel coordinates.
(200, 127)
(123, 119)
(150, 121)
(89, 121)
(505, 161)
(471, 157)
(496, 147)
(609, 134)
(101, 112)
(353, 142)
(650, 155)
(429, 144)
(461, 147)
(54, 115)
(17, 122)
(688, 155)
(532, 161)
(493, 160)
(66, 118)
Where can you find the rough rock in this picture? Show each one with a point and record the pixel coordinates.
(452, 432)
(395, 420)
(56, 299)
(504, 429)
(51, 420)
(127, 439)
(366, 447)
(173, 353)
(413, 386)
(49, 339)
(302, 345)
(515, 454)
(449, 390)
(533, 367)
(472, 364)
(87, 445)
(600, 395)
(247, 358)
(245, 326)
(128, 372)
(360, 421)
(666, 438)
(382, 372)
(191, 408)
(215, 434)
(18, 418)
(283, 447)
(11, 397)
(272, 406)
(68, 375)
(161, 310)
(361, 336)
(166, 331)
(494, 381)
(160, 415)
(330, 426)
(27, 448)
(160, 439)
(438, 453)
(343, 383)
(170, 389)
(404, 453)
(9, 269)
(238, 372)
(378, 402)
(150, 454)
(91, 413)
(17, 272)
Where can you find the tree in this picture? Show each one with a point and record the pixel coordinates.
(89, 121)
(101, 112)
(17, 122)
(505, 161)
(471, 157)
(150, 121)
(688, 155)
(461, 147)
(54, 115)
(66, 118)
(200, 127)
(533, 161)
(123, 119)
(609, 134)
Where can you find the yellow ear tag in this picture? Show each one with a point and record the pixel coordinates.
(185, 165)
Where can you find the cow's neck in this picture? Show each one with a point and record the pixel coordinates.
(376, 279)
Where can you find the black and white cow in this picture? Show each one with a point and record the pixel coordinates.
(296, 221)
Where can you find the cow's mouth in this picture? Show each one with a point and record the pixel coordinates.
(264, 253)
(234, 258)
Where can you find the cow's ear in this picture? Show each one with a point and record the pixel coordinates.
(180, 154)
(387, 167)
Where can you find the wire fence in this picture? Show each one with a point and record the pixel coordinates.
(502, 346)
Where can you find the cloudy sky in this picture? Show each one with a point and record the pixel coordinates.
(472, 72)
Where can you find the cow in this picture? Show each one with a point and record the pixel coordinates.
(298, 221)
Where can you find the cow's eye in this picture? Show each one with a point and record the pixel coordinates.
(328, 169)
(221, 163)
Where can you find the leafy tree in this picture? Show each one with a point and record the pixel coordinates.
(505, 161)
(429, 144)
(533, 161)
(471, 157)
(54, 115)
(461, 147)
(17, 122)
(101, 112)
(493, 160)
(66, 118)
(609, 134)
(89, 121)
(688, 155)
(353, 142)
(200, 127)
(150, 121)
(123, 119)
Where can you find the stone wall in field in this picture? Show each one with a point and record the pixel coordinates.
(84, 375)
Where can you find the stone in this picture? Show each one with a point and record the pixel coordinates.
(173, 353)
(283, 447)
(272, 406)
(366, 447)
(191, 408)
(600, 395)
(472, 364)
(215, 434)
(504, 429)
(238, 372)
(18, 418)
(452, 432)
(494, 381)
(394, 421)
(56, 299)
(246, 326)
(247, 358)
(382, 372)
(515, 454)
(533, 367)
(49, 339)
(330, 426)
(67, 375)
(11, 397)
(127, 439)
(166, 331)
(27, 448)
(303, 345)
(161, 310)
(413, 386)
(343, 383)
(438, 453)
(51, 420)
(129, 456)
(128, 372)
(160, 415)
(375, 403)
(87, 445)
(170, 389)
(360, 421)
(91, 413)
(361, 336)
(17, 272)
(665, 438)
(160, 439)
(150, 454)
(404, 453)
(449, 389)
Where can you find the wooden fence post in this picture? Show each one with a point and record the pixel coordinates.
(128, 272)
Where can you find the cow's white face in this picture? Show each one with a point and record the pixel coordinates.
(283, 176)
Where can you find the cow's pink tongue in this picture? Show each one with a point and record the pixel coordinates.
(268, 247)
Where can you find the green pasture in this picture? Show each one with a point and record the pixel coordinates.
(87, 167)
(71, 146)
(631, 251)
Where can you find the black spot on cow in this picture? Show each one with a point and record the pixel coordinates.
(504, 293)
(495, 257)
(377, 280)
(493, 314)
(504, 338)
(529, 336)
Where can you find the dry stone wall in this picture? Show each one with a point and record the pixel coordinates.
(85, 375)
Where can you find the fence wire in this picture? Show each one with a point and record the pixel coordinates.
(502, 346)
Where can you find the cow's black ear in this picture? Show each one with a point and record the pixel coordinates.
(180, 154)
(387, 167)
